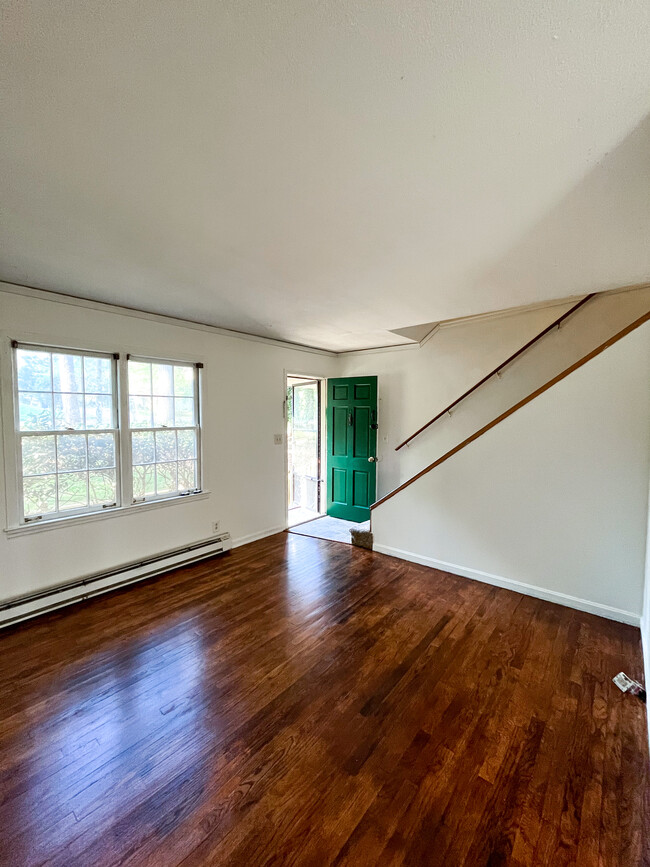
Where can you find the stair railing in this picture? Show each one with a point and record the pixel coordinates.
(497, 370)
(585, 358)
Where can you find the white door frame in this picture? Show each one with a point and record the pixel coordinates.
(322, 379)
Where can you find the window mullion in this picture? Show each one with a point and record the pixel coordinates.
(198, 421)
(56, 471)
(126, 468)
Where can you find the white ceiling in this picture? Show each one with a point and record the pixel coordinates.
(325, 172)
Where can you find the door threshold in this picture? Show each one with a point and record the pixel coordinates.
(308, 521)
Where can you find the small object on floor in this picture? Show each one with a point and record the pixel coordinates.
(626, 684)
(361, 538)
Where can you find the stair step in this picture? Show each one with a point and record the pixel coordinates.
(361, 536)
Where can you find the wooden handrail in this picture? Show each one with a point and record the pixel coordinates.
(609, 342)
(496, 370)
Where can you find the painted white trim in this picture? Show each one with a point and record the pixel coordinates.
(254, 537)
(491, 314)
(528, 308)
(427, 337)
(72, 300)
(518, 586)
(9, 433)
(513, 311)
(131, 509)
(322, 380)
(463, 320)
(396, 347)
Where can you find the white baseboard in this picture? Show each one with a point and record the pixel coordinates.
(254, 537)
(518, 586)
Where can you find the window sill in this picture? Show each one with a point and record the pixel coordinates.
(119, 511)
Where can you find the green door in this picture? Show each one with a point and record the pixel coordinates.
(351, 447)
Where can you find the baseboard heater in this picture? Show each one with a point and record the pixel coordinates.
(23, 607)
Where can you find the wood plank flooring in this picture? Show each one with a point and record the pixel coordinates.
(303, 702)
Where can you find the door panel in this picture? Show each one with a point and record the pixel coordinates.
(340, 392)
(340, 431)
(361, 446)
(351, 440)
(360, 487)
(339, 485)
(362, 391)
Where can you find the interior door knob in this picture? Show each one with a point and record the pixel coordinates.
(372, 460)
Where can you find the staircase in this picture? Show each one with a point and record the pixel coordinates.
(582, 334)
(586, 329)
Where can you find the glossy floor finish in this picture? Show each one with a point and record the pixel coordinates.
(303, 702)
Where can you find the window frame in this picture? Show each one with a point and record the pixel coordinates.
(10, 434)
(197, 428)
(20, 435)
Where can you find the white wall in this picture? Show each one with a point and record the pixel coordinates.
(456, 347)
(244, 470)
(554, 498)
(418, 384)
(551, 497)
(414, 384)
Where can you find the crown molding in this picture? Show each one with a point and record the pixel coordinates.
(493, 314)
(73, 301)
(394, 347)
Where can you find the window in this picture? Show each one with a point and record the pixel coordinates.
(94, 432)
(164, 426)
(67, 431)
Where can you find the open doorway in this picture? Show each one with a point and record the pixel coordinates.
(306, 495)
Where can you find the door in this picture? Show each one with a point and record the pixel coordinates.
(351, 447)
(303, 447)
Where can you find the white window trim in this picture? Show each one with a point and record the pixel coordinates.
(20, 435)
(89, 517)
(9, 451)
(128, 430)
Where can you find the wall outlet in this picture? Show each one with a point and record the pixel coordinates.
(215, 527)
(277, 439)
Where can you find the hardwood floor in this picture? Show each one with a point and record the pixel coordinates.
(304, 702)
